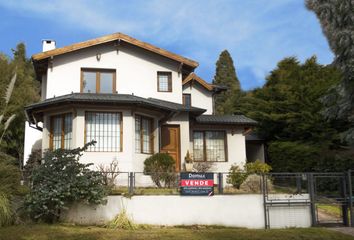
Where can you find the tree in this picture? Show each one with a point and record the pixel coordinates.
(337, 21)
(289, 111)
(225, 75)
(25, 92)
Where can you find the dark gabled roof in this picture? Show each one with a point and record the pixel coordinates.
(225, 120)
(111, 99)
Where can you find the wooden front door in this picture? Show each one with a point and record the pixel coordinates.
(170, 143)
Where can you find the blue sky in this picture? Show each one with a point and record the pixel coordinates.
(257, 33)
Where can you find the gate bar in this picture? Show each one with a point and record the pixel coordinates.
(312, 198)
(350, 200)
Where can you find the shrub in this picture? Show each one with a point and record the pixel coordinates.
(257, 167)
(122, 221)
(236, 176)
(34, 160)
(110, 173)
(161, 167)
(62, 180)
(253, 184)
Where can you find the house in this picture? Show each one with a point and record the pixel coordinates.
(134, 99)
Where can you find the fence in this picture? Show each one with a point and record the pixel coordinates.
(321, 198)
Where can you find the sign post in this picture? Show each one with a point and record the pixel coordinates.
(197, 184)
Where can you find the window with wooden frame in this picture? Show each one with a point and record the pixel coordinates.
(106, 129)
(144, 137)
(95, 80)
(209, 146)
(61, 131)
(164, 81)
(187, 100)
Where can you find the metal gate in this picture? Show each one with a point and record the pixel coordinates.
(327, 196)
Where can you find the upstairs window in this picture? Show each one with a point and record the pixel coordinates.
(61, 131)
(164, 81)
(187, 100)
(98, 80)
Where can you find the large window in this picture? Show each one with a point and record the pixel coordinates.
(143, 134)
(106, 129)
(61, 131)
(98, 80)
(209, 146)
(164, 81)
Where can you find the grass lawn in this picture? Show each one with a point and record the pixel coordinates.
(63, 232)
(334, 210)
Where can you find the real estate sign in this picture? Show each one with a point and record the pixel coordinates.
(197, 184)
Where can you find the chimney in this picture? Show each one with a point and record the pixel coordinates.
(48, 44)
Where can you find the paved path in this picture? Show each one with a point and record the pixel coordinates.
(345, 230)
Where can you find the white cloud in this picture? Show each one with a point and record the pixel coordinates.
(258, 33)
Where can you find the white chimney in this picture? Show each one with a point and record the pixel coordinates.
(48, 44)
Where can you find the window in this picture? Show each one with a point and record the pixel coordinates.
(187, 100)
(143, 134)
(61, 131)
(164, 81)
(98, 80)
(209, 146)
(106, 129)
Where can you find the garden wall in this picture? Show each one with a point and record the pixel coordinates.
(244, 210)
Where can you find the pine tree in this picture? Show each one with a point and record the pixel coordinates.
(337, 20)
(288, 109)
(225, 103)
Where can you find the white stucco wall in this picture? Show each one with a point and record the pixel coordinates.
(200, 97)
(32, 137)
(136, 71)
(228, 210)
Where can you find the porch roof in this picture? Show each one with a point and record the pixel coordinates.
(109, 99)
(225, 120)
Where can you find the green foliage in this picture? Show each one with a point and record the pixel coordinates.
(161, 167)
(60, 181)
(225, 75)
(293, 156)
(237, 176)
(337, 20)
(25, 92)
(289, 111)
(257, 167)
(10, 176)
(6, 213)
(34, 160)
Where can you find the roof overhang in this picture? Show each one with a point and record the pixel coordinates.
(35, 111)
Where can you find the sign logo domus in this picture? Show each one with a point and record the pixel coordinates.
(197, 184)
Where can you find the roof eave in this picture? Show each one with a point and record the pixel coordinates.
(110, 38)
